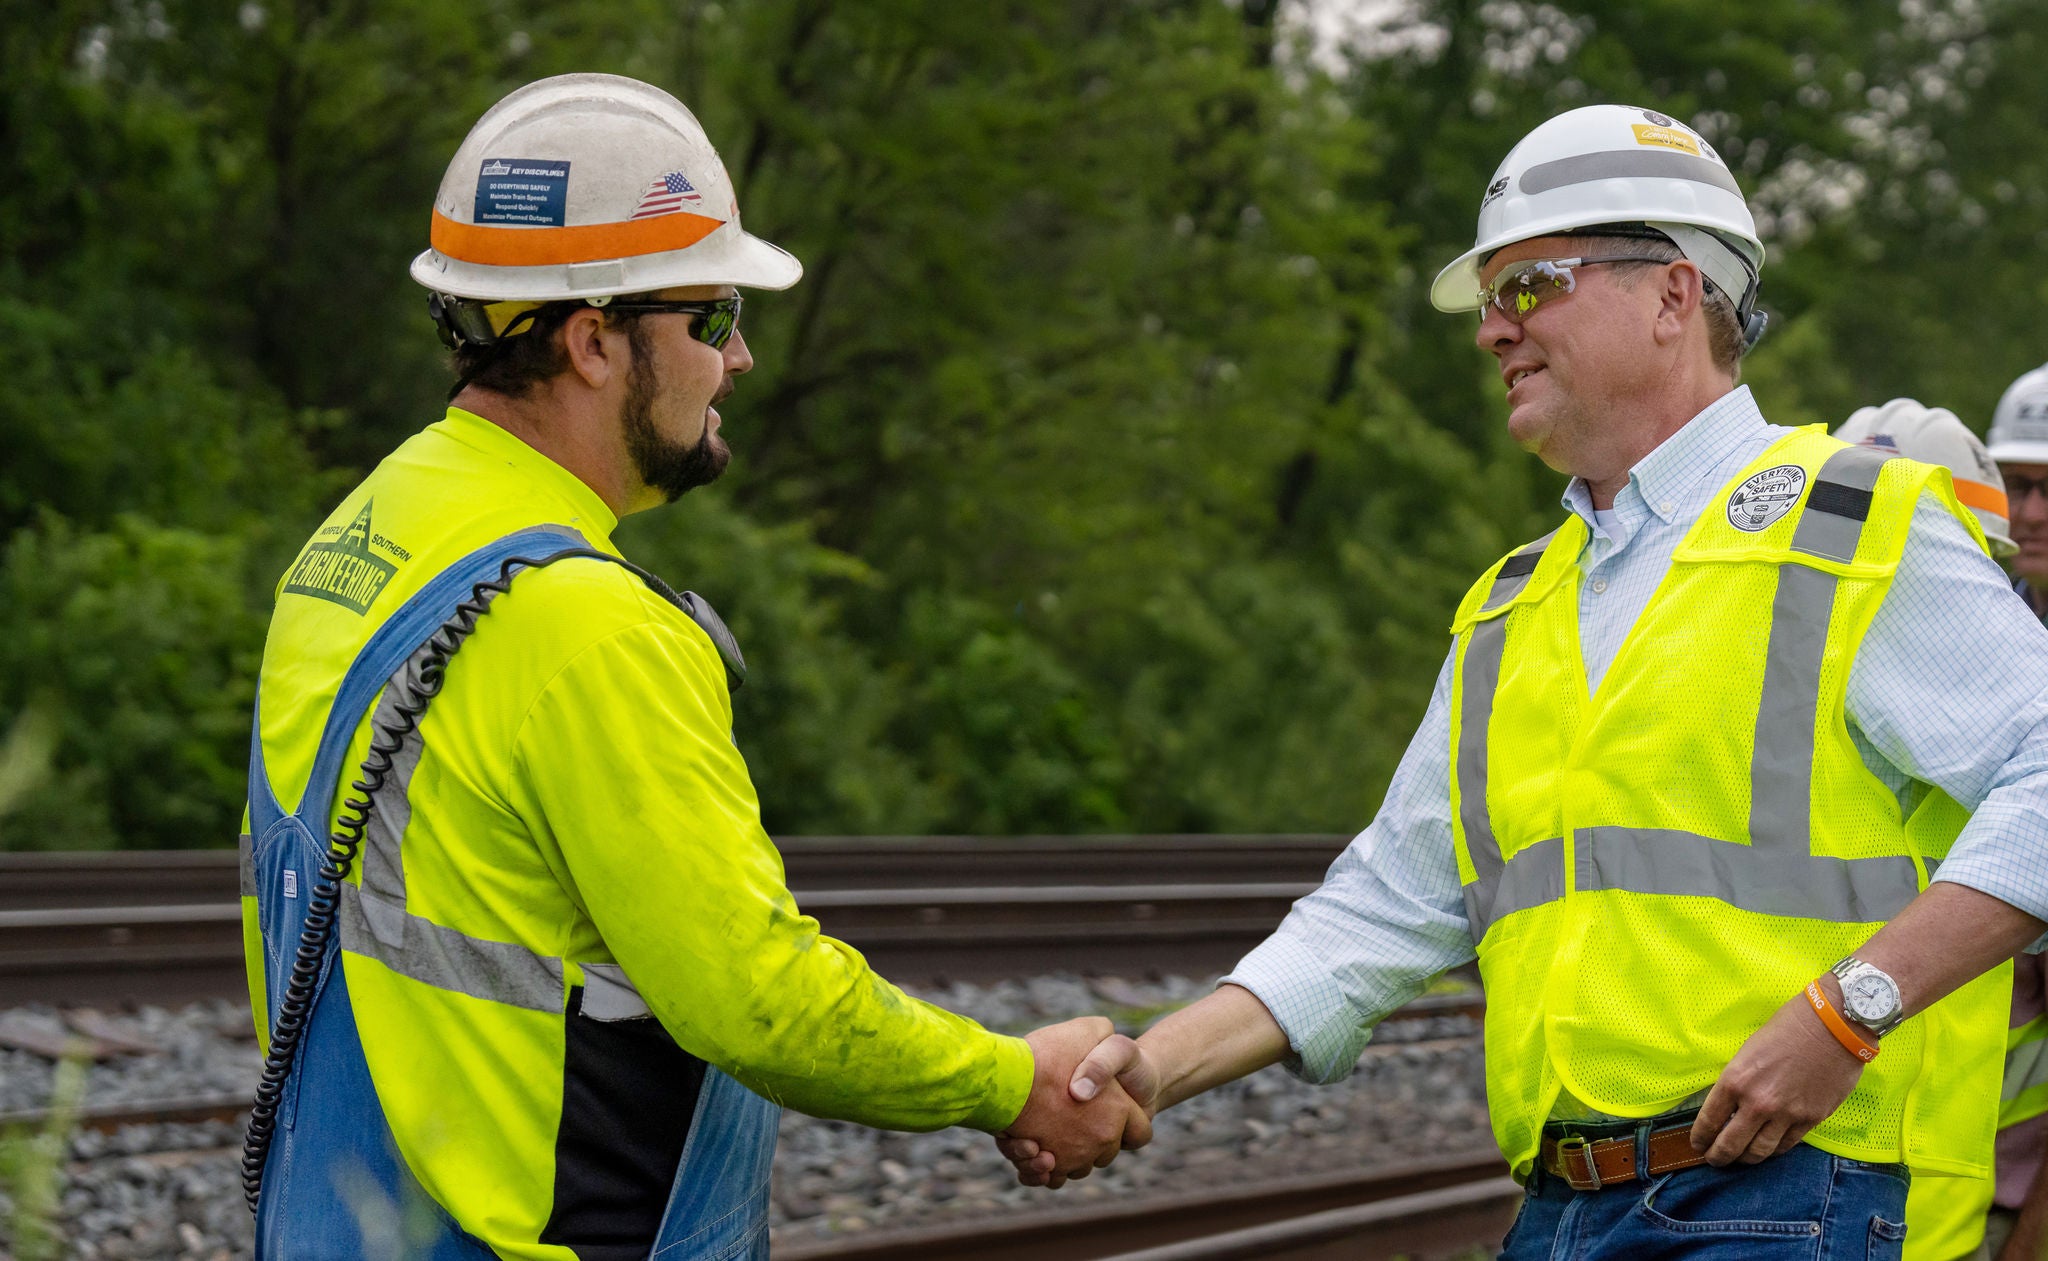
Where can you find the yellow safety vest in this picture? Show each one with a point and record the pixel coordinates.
(1650, 871)
(1945, 1216)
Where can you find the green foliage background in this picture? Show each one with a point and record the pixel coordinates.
(1107, 471)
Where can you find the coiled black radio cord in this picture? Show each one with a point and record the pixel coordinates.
(294, 1009)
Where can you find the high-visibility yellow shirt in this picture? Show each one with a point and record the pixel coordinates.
(580, 795)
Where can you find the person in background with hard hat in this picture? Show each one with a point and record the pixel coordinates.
(1952, 1219)
(2019, 442)
(1658, 790)
(2016, 1228)
(542, 993)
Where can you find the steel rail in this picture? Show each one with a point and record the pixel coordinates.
(38, 880)
(179, 953)
(110, 1117)
(83, 928)
(1424, 1208)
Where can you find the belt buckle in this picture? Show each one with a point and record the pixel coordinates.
(1566, 1146)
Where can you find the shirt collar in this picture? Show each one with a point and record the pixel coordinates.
(497, 441)
(1666, 478)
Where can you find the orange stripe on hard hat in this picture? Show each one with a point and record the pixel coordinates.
(1982, 495)
(540, 247)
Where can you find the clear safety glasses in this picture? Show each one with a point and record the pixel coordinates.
(718, 319)
(1522, 287)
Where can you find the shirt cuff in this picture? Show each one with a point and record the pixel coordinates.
(1309, 1005)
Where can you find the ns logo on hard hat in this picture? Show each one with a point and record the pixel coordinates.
(1765, 497)
(1493, 190)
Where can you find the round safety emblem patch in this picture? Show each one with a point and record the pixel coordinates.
(1765, 497)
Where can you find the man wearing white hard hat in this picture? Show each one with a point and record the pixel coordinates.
(1672, 788)
(2019, 442)
(529, 976)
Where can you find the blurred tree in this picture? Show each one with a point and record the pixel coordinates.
(1108, 469)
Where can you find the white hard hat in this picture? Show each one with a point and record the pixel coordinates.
(1615, 164)
(1933, 435)
(2019, 424)
(589, 185)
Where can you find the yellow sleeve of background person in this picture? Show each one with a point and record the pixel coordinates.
(626, 770)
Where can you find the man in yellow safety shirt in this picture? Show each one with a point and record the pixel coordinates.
(530, 979)
(1677, 787)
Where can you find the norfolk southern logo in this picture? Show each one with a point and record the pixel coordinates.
(344, 570)
(1493, 190)
(1764, 497)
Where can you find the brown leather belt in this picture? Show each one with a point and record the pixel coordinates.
(1590, 1165)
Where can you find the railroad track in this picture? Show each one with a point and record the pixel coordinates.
(166, 927)
(1450, 1207)
(1439, 1208)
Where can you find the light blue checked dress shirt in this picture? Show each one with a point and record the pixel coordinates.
(1950, 687)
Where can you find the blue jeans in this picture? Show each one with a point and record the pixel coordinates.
(1804, 1204)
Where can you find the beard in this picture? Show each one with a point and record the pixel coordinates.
(673, 468)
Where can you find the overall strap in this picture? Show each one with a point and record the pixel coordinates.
(396, 640)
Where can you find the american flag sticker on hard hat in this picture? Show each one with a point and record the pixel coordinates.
(666, 195)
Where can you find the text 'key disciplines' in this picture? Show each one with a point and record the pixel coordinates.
(532, 191)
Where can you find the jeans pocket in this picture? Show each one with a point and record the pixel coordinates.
(1887, 1240)
(1707, 1219)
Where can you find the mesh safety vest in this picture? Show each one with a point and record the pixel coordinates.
(1651, 870)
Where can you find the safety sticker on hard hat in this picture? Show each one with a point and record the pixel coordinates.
(1666, 138)
(532, 191)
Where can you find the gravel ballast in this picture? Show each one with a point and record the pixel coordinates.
(172, 1190)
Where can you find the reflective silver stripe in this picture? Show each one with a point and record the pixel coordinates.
(1827, 529)
(1781, 759)
(1514, 573)
(1532, 876)
(1482, 679)
(246, 847)
(1766, 881)
(1485, 642)
(1627, 164)
(435, 955)
(608, 994)
(2026, 1064)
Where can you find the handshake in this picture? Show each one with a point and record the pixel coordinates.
(1093, 1094)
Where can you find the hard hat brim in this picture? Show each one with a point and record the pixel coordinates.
(2020, 452)
(1456, 287)
(729, 256)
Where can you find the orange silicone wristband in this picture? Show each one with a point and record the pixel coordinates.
(1851, 1041)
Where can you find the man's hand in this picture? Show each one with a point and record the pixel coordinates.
(1116, 1064)
(1213, 1040)
(1789, 1077)
(1062, 1133)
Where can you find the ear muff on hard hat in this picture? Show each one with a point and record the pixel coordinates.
(587, 186)
(1934, 435)
(1606, 165)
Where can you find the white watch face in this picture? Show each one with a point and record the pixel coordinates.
(1870, 998)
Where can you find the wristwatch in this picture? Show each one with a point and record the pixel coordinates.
(1869, 997)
